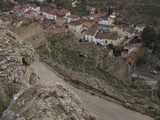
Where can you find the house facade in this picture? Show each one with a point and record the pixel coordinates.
(107, 37)
(105, 22)
(49, 16)
(71, 18)
(60, 21)
(87, 23)
(91, 32)
(75, 26)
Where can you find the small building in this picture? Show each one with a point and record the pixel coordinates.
(99, 15)
(92, 11)
(30, 14)
(17, 8)
(60, 21)
(49, 16)
(72, 18)
(56, 12)
(87, 23)
(91, 32)
(107, 37)
(65, 11)
(75, 26)
(131, 59)
(105, 21)
(39, 18)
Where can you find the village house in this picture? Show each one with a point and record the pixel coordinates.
(39, 18)
(65, 11)
(57, 13)
(92, 11)
(75, 26)
(99, 15)
(49, 16)
(87, 23)
(123, 31)
(107, 37)
(105, 21)
(91, 32)
(139, 29)
(72, 18)
(131, 59)
(30, 14)
(17, 8)
(60, 21)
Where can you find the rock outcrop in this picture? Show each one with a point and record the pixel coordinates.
(15, 68)
(22, 94)
(47, 103)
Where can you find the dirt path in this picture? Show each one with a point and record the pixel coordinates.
(104, 109)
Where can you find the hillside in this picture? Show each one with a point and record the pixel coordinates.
(62, 52)
(132, 11)
(25, 96)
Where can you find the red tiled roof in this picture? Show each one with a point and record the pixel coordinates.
(17, 7)
(39, 17)
(75, 23)
(99, 15)
(93, 29)
(56, 12)
(107, 35)
(28, 12)
(64, 10)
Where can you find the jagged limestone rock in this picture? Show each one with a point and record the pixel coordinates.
(15, 68)
(31, 99)
(55, 102)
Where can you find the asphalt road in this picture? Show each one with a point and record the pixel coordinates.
(144, 72)
(104, 109)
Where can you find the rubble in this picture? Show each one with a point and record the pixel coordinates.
(47, 103)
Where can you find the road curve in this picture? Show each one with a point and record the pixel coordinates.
(104, 109)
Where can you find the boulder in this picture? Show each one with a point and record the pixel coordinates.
(55, 102)
(15, 65)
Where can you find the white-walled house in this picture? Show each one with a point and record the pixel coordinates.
(105, 22)
(139, 29)
(91, 32)
(49, 16)
(71, 18)
(75, 26)
(36, 9)
(107, 37)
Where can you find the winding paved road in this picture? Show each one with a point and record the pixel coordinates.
(104, 109)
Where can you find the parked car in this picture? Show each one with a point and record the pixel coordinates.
(153, 72)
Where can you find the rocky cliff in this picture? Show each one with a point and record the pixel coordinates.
(15, 69)
(47, 103)
(22, 95)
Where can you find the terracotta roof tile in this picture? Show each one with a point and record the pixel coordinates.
(75, 23)
(99, 15)
(28, 12)
(39, 17)
(74, 16)
(64, 10)
(93, 29)
(107, 35)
